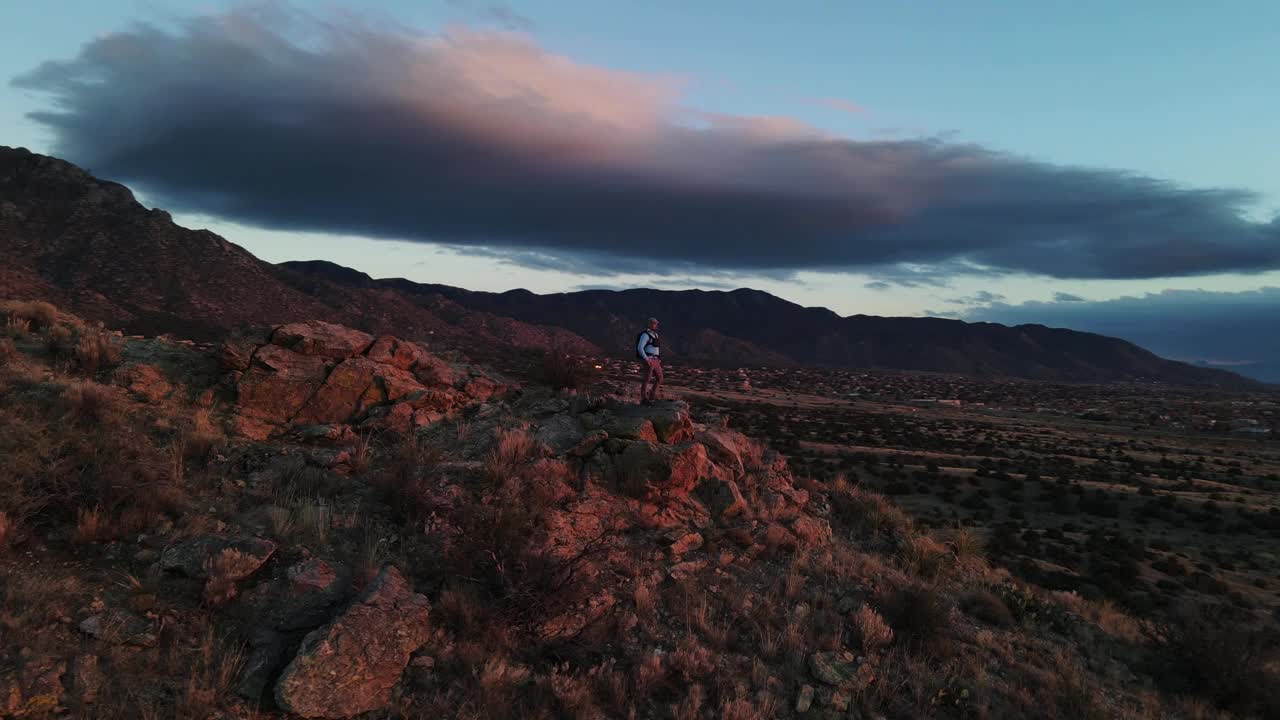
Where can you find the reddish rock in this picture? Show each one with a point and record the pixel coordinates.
(685, 543)
(725, 448)
(632, 428)
(353, 388)
(779, 538)
(321, 339)
(411, 357)
(672, 468)
(278, 383)
(349, 666)
(722, 498)
(35, 691)
(195, 557)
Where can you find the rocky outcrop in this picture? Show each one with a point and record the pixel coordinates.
(206, 556)
(321, 339)
(349, 666)
(318, 373)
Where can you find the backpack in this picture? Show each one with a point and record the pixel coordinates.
(639, 351)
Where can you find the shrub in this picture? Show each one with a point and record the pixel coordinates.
(29, 316)
(88, 403)
(7, 351)
(872, 630)
(921, 620)
(988, 608)
(512, 449)
(563, 370)
(96, 350)
(59, 343)
(1216, 656)
(867, 512)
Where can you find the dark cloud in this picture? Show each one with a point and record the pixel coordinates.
(878, 285)
(1236, 329)
(495, 13)
(982, 297)
(481, 139)
(1066, 297)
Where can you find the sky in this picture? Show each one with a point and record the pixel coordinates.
(1106, 165)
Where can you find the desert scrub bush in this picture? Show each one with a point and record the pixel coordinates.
(59, 474)
(96, 350)
(87, 403)
(59, 343)
(29, 316)
(923, 556)
(921, 620)
(866, 512)
(987, 607)
(871, 629)
(512, 448)
(406, 475)
(561, 369)
(966, 545)
(1212, 654)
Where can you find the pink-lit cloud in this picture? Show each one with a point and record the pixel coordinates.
(487, 140)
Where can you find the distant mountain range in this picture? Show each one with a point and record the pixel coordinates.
(86, 244)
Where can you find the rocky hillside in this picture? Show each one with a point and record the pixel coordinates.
(87, 245)
(316, 522)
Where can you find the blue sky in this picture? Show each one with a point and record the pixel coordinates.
(1175, 92)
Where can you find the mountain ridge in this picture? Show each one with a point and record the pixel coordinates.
(608, 318)
(87, 244)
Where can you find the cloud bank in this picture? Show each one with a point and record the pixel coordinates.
(484, 140)
(1240, 330)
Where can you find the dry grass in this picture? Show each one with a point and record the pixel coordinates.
(30, 316)
(871, 629)
(1231, 664)
(868, 513)
(213, 673)
(921, 620)
(563, 370)
(91, 525)
(923, 556)
(88, 403)
(966, 545)
(96, 350)
(512, 449)
(987, 607)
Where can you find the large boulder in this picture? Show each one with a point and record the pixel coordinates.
(631, 427)
(560, 433)
(725, 447)
(670, 468)
(723, 498)
(354, 387)
(411, 357)
(278, 383)
(307, 595)
(671, 420)
(198, 557)
(321, 339)
(349, 666)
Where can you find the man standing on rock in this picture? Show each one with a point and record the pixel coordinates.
(647, 349)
